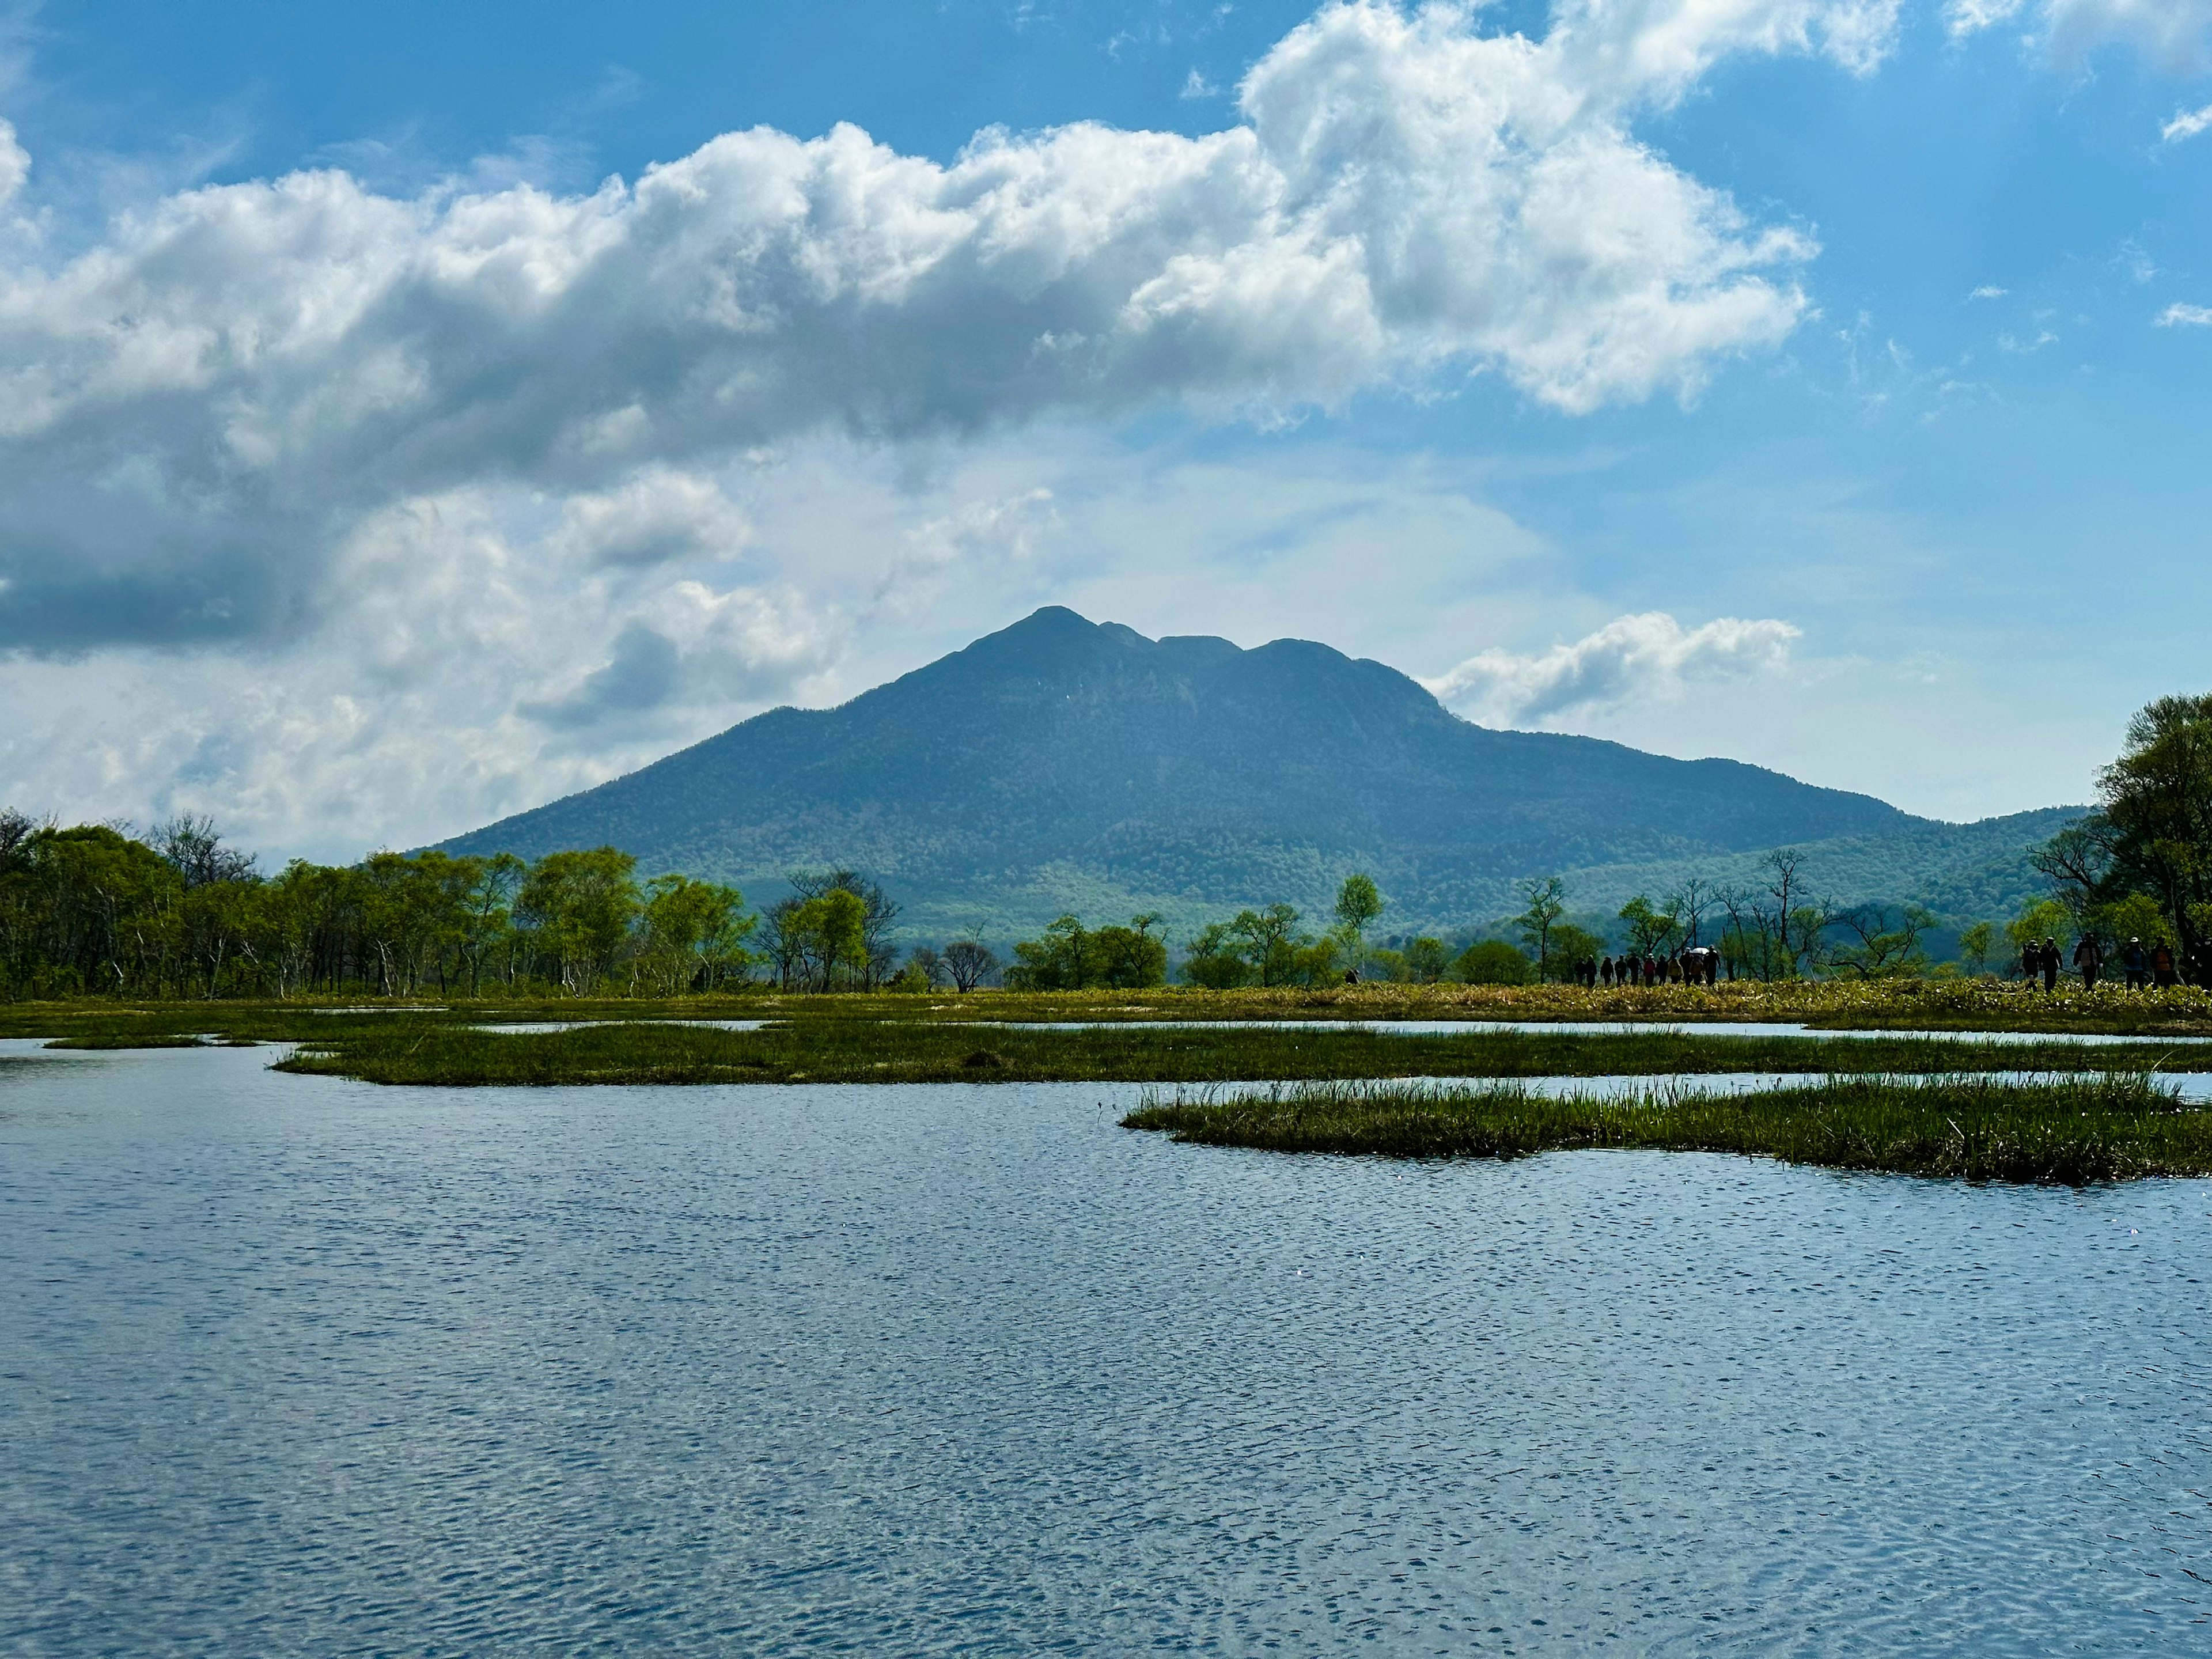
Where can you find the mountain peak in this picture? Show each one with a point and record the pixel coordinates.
(1064, 764)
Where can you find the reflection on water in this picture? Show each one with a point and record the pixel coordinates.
(294, 1364)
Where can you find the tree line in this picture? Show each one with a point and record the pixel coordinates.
(2139, 866)
(1769, 931)
(177, 912)
(94, 909)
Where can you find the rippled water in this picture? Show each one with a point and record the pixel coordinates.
(294, 1364)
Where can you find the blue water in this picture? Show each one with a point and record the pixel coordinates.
(299, 1366)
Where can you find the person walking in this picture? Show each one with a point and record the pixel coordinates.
(2134, 963)
(2088, 957)
(1605, 972)
(2161, 968)
(2050, 965)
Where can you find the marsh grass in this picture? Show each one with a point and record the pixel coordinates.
(849, 1051)
(1964, 1006)
(2071, 1131)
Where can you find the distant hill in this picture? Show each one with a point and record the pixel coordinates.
(1064, 765)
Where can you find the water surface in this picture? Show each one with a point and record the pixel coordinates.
(298, 1364)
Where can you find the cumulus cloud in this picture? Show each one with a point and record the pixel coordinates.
(476, 669)
(2179, 315)
(1631, 657)
(2174, 32)
(200, 408)
(657, 515)
(641, 675)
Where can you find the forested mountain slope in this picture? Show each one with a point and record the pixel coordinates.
(1062, 764)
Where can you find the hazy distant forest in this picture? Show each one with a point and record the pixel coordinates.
(96, 910)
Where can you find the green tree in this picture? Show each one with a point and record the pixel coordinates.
(1358, 905)
(877, 957)
(1052, 962)
(1492, 962)
(1651, 931)
(1128, 958)
(1068, 958)
(1572, 945)
(1271, 943)
(2156, 826)
(1426, 960)
(695, 933)
(1975, 944)
(831, 934)
(2041, 919)
(1546, 902)
(579, 908)
(2138, 915)
(1215, 959)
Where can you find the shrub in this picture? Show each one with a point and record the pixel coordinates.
(1493, 962)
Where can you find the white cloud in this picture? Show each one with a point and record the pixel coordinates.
(657, 515)
(353, 516)
(197, 410)
(2186, 125)
(2185, 316)
(2174, 32)
(15, 164)
(1989, 291)
(1631, 657)
(987, 534)
(1658, 49)
(474, 671)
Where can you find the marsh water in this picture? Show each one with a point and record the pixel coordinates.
(295, 1364)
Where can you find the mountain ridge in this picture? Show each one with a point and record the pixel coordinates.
(1064, 764)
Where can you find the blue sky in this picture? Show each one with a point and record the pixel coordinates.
(1814, 381)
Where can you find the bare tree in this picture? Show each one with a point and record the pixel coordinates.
(1751, 945)
(1547, 900)
(1689, 903)
(195, 850)
(1884, 948)
(968, 963)
(2078, 862)
(784, 944)
(16, 829)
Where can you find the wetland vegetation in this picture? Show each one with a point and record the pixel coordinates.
(2069, 1131)
(871, 1051)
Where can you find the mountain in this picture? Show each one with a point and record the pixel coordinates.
(1062, 764)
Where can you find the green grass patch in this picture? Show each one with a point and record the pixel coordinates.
(2069, 1131)
(1958, 1004)
(852, 1051)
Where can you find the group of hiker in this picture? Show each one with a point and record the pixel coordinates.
(2145, 966)
(2152, 966)
(1699, 965)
